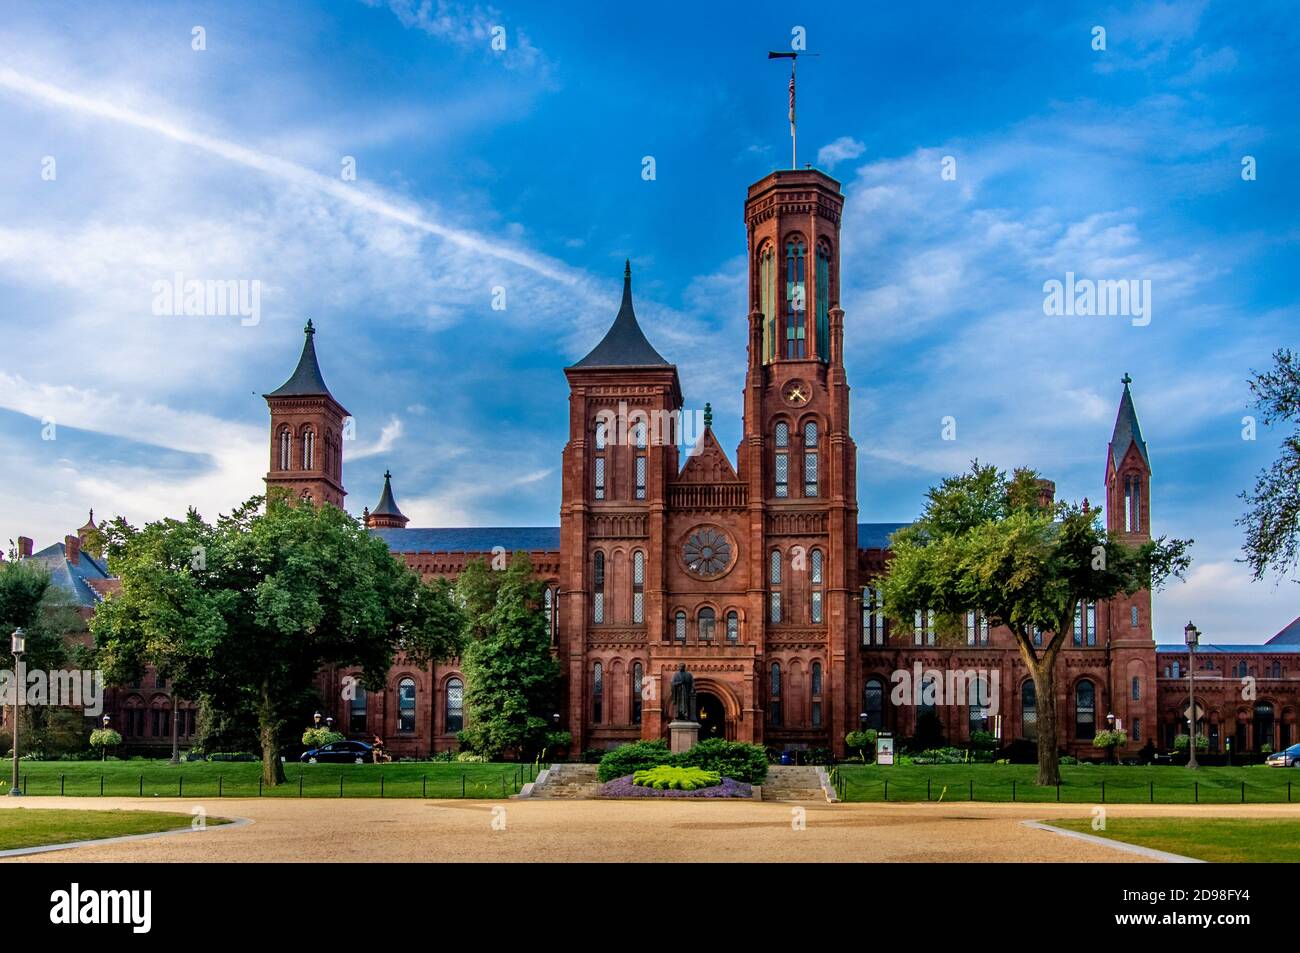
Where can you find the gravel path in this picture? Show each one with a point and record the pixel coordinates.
(449, 831)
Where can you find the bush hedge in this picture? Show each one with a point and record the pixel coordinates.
(669, 778)
(730, 759)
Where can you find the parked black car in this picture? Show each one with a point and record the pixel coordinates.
(339, 752)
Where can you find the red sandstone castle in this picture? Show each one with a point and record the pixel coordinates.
(757, 576)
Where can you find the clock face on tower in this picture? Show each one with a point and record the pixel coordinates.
(707, 552)
(795, 393)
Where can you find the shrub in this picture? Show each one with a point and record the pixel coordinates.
(669, 777)
(940, 756)
(983, 740)
(1180, 743)
(232, 756)
(469, 757)
(630, 758)
(1110, 739)
(731, 759)
(862, 743)
(104, 738)
(316, 737)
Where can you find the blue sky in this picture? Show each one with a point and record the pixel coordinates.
(522, 169)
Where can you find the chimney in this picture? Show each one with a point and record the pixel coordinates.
(24, 547)
(72, 545)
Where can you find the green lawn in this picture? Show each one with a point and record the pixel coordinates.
(240, 779)
(1080, 784)
(1218, 840)
(37, 827)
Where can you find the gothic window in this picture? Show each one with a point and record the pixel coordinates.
(815, 579)
(923, 627)
(1091, 620)
(774, 703)
(977, 628)
(782, 441)
(873, 616)
(455, 708)
(705, 623)
(597, 693)
(733, 626)
(598, 589)
(598, 465)
(357, 710)
(1133, 616)
(1029, 710)
(823, 302)
(810, 477)
(640, 460)
(286, 448)
(873, 704)
(638, 587)
(774, 580)
(977, 705)
(796, 299)
(816, 694)
(406, 705)
(1137, 688)
(1133, 502)
(308, 449)
(1078, 624)
(679, 626)
(638, 686)
(1085, 710)
(766, 300)
(548, 600)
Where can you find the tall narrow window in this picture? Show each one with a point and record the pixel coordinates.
(597, 693)
(406, 705)
(598, 464)
(923, 627)
(823, 327)
(815, 580)
(1085, 710)
(977, 705)
(1137, 688)
(640, 460)
(782, 441)
(1078, 624)
(774, 581)
(1038, 635)
(357, 710)
(1133, 616)
(873, 703)
(286, 448)
(1029, 710)
(774, 701)
(638, 686)
(638, 587)
(796, 300)
(679, 626)
(733, 626)
(767, 300)
(705, 623)
(548, 606)
(308, 449)
(598, 589)
(977, 628)
(816, 694)
(873, 616)
(810, 468)
(455, 708)
(1090, 620)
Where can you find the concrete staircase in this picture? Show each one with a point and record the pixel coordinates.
(566, 780)
(791, 783)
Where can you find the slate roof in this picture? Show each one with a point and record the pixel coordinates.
(624, 344)
(386, 506)
(471, 539)
(876, 535)
(306, 380)
(1127, 430)
(1204, 649)
(78, 580)
(1290, 635)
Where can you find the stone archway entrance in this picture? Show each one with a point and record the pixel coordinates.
(712, 715)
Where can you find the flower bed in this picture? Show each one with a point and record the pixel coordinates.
(623, 787)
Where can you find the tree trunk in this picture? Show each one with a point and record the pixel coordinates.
(1044, 672)
(268, 730)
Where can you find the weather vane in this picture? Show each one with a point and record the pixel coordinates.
(793, 57)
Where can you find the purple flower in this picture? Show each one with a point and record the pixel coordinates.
(623, 787)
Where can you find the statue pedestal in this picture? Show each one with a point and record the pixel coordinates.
(683, 735)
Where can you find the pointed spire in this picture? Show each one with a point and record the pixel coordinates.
(386, 509)
(625, 344)
(306, 380)
(1127, 430)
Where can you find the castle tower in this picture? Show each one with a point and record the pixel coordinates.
(306, 433)
(386, 515)
(1128, 475)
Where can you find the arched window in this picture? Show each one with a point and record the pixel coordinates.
(1133, 502)
(774, 695)
(810, 458)
(1263, 725)
(638, 587)
(406, 705)
(1276, 670)
(873, 616)
(638, 686)
(977, 704)
(815, 579)
(357, 710)
(1085, 710)
(598, 464)
(796, 299)
(1137, 688)
(597, 693)
(639, 462)
(286, 448)
(598, 589)
(679, 626)
(873, 703)
(733, 626)
(705, 623)
(774, 579)
(455, 709)
(823, 325)
(1176, 669)
(308, 449)
(767, 300)
(816, 694)
(1029, 710)
(781, 439)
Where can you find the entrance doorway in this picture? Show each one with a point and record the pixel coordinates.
(713, 717)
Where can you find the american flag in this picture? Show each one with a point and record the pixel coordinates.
(792, 99)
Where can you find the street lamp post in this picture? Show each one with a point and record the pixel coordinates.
(1192, 635)
(18, 644)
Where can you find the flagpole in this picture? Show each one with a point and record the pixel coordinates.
(794, 139)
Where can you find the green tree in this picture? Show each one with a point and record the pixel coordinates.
(511, 677)
(244, 612)
(1272, 523)
(984, 543)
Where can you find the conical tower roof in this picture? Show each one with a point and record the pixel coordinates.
(625, 344)
(1127, 430)
(306, 380)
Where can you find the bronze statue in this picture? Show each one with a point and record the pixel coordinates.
(683, 695)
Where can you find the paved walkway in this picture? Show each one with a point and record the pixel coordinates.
(449, 831)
